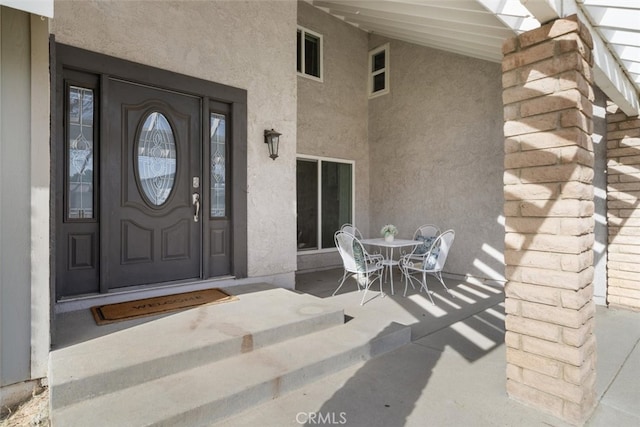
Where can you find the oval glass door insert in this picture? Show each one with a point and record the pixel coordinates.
(156, 158)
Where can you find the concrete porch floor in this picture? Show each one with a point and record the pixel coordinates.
(452, 373)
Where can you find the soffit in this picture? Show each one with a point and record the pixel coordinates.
(477, 28)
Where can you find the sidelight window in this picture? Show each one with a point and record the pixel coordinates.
(218, 144)
(80, 155)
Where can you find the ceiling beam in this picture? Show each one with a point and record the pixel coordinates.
(544, 10)
(512, 14)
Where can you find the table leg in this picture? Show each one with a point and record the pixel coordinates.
(391, 271)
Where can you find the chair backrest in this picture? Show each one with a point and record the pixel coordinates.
(427, 230)
(351, 251)
(427, 234)
(440, 250)
(351, 229)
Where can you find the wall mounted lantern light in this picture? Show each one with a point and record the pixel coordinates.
(272, 139)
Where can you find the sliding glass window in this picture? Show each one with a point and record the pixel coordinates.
(324, 201)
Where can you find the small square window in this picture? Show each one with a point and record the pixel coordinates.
(379, 71)
(309, 54)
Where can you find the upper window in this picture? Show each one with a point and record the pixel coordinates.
(309, 54)
(379, 71)
(324, 200)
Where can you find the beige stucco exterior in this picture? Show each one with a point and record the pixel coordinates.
(430, 151)
(332, 114)
(437, 155)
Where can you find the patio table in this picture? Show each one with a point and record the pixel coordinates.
(388, 262)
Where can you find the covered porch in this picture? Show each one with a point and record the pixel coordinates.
(524, 141)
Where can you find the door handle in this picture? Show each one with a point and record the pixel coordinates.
(196, 202)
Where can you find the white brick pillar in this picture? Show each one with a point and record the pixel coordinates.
(548, 192)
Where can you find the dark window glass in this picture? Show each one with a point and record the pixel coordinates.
(311, 55)
(378, 82)
(335, 208)
(378, 61)
(336, 199)
(307, 204)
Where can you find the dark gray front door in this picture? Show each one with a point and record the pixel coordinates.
(151, 187)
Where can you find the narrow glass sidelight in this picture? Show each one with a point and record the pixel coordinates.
(218, 165)
(156, 161)
(80, 159)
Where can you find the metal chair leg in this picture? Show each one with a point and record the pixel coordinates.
(426, 288)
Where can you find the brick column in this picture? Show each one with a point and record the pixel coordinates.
(623, 208)
(549, 219)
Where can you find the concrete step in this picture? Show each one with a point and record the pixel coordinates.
(262, 316)
(209, 393)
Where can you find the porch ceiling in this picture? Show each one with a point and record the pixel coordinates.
(477, 28)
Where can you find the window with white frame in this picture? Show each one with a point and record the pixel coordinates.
(309, 54)
(379, 71)
(324, 200)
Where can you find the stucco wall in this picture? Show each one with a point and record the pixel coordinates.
(245, 44)
(332, 115)
(436, 145)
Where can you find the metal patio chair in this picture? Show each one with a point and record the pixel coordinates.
(356, 264)
(432, 262)
(427, 234)
(351, 229)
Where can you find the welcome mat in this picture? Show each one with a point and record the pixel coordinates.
(110, 313)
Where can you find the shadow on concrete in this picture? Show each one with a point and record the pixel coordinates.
(385, 391)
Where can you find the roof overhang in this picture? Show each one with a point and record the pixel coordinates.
(37, 7)
(477, 28)
(615, 28)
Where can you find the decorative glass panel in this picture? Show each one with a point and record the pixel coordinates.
(156, 158)
(218, 164)
(80, 184)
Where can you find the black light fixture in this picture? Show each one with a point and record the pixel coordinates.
(272, 139)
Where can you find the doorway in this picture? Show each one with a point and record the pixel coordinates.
(150, 174)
